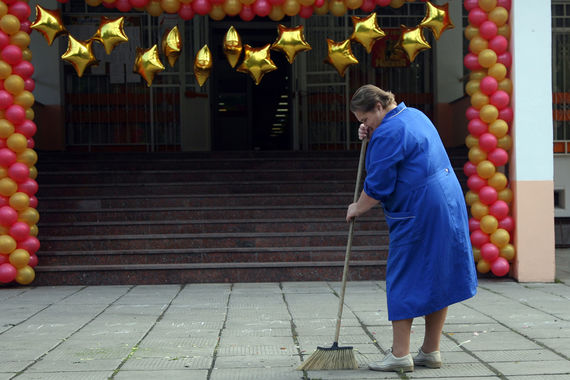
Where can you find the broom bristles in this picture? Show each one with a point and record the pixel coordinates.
(334, 357)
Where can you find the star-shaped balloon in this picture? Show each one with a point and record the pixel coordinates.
(203, 65)
(171, 45)
(232, 46)
(291, 41)
(110, 33)
(340, 55)
(412, 41)
(48, 23)
(366, 31)
(79, 54)
(147, 63)
(257, 62)
(437, 19)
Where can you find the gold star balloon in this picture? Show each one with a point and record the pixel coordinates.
(110, 33)
(412, 41)
(366, 31)
(291, 41)
(171, 45)
(437, 19)
(79, 54)
(257, 62)
(202, 65)
(340, 55)
(48, 23)
(147, 63)
(232, 46)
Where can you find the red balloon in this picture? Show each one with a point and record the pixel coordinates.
(33, 201)
(4, 40)
(477, 127)
(109, 5)
(3, 201)
(500, 99)
(19, 172)
(500, 267)
(306, 12)
(489, 252)
(488, 29)
(319, 3)
(4, 259)
(186, 12)
(505, 58)
(506, 114)
(470, 4)
(33, 261)
(20, 10)
(202, 7)
(469, 168)
(279, 2)
(499, 44)
(28, 128)
(474, 182)
(7, 157)
(471, 61)
(6, 99)
(31, 244)
(15, 114)
(507, 223)
(124, 5)
(29, 85)
(477, 16)
(24, 69)
(478, 238)
(8, 216)
(139, 3)
(20, 231)
(499, 209)
(498, 156)
(474, 224)
(487, 195)
(3, 143)
(29, 186)
(8, 273)
(505, 4)
(472, 113)
(367, 5)
(487, 142)
(25, 26)
(262, 8)
(12, 54)
(383, 3)
(488, 85)
(246, 13)
(31, 143)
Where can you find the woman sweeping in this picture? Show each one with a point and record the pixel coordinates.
(430, 263)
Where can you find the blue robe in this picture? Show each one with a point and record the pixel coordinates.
(430, 262)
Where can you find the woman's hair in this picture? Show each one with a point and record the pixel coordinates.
(367, 96)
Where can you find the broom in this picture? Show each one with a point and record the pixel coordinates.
(336, 357)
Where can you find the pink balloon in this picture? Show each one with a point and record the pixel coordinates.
(7, 157)
(507, 223)
(500, 99)
(4, 40)
(24, 69)
(20, 231)
(7, 273)
(499, 44)
(306, 12)
(202, 7)
(471, 61)
(478, 238)
(246, 13)
(505, 58)
(3, 201)
(20, 10)
(499, 209)
(28, 128)
(498, 157)
(186, 12)
(19, 172)
(469, 168)
(29, 85)
(474, 182)
(3, 143)
(470, 4)
(124, 5)
(488, 85)
(488, 29)
(12, 54)
(279, 2)
(262, 8)
(29, 186)
(506, 114)
(8, 216)
(477, 127)
(33, 202)
(31, 244)
(477, 16)
(10, 1)
(500, 267)
(489, 252)
(33, 261)
(4, 259)
(139, 3)
(31, 143)
(25, 26)
(487, 195)
(317, 4)
(505, 4)
(383, 3)
(487, 142)
(15, 114)
(6, 99)
(367, 5)
(109, 5)
(474, 224)
(471, 113)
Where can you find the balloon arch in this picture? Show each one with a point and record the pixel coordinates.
(489, 87)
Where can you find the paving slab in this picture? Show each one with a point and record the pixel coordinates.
(276, 373)
(94, 375)
(185, 374)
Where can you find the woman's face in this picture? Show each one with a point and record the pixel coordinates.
(371, 119)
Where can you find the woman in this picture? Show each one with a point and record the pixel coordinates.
(430, 263)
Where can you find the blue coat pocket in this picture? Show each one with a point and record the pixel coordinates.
(402, 226)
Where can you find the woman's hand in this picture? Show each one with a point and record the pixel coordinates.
(363, 132)
(352, 212)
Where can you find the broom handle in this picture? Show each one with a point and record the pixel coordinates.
(349, 242)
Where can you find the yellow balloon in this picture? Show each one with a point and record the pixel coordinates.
(9, 24)
(505, 195)
(397, 3)
(489, 224)
(14, 84)
(506, 85)
(471, 197)
(17, 142)
(5, 70)
(497, 71)
(232, 46)
(3, 174)
(19, 201)
(30, 216)
(25, 275)
(486, 169)
(500, 237)
(476, 254)
(153, 8)
(3, 8)
(508, 252)
(203, 64)
(247, 2)
(25, 99)
(366, 30)
(277, 13)
(48, 23)
(4, 230)
(478, 100)
(292, 7)
(8, 187)
(308, 3)
(6, 128)
(7, 244)
(33, 172)
(28, 157)
(499, 128)
(437, 19)
(20, 39)
(477, 74)
(110, 33)
(472, 86)
(232, 7)
(93, 3)
(290, 42)
(505, 31)
(487, 58)
(172, 44)
(148, 64)
(412, 41)
(27, 54)
(489, 113)
(337, 8)
(498, 181)
(471, 141)
(499, 16)
(471, 31)
(34, 230)
(79, 54)
(478, 44)
(476, 155)
(483, 266)
(217, 13)
(487, 5)
(479, 210)
(170, 6)
(30, 114)
(351, 4)
(340, 55)
(321, 11)
(505, 142)
(257, 62)
(19, 258)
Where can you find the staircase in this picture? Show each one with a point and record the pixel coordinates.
(132, 218)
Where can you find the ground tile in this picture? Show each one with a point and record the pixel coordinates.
(74, 366)
(168, 363)
(362, 373)
(528, 368)
(13, 365)
(517, 356)
(94, 375)
(458, 370)
(256, 374)
(186, 374)
(259, 361)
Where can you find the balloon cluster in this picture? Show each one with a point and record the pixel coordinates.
(18, 214)
(490, 116)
